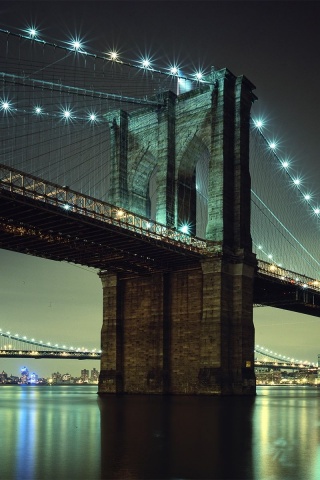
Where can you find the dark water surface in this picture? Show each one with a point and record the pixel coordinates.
(69, 433)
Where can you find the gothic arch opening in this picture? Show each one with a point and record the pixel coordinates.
(192, 190)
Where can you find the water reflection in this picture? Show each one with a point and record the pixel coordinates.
(69, 433)
(176, 437)
(49, 433)
(286, 433)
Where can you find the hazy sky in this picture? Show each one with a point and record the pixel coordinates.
(275, 44)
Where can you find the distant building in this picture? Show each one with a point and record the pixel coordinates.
(56, 377)
(84, 375)
(94, 375)
(33, 378)
(3, 377)
(24, 375)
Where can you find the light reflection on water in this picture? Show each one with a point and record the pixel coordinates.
(68, 432)
(49, 433)
(286, 433)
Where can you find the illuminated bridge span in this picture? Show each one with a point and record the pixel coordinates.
(17, 346)
(64, 210)
(20, 346)
(279, 359)
(85, 230)
(163, 182)
(14, 346)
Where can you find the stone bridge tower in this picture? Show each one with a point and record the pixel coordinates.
(188, 330)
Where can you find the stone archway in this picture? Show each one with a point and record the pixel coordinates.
(192, 183)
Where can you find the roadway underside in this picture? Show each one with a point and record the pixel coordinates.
(43, 230)
(274, 292)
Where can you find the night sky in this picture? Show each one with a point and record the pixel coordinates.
(275, 44)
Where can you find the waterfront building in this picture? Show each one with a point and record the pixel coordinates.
(24, 375)
(56, 377)
(94, 375)
(84, 375)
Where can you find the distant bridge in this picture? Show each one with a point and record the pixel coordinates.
(16, 346)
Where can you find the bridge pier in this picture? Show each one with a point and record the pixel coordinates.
(185, 330)
(188, 331)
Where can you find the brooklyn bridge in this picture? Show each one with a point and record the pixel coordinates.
(159, 181)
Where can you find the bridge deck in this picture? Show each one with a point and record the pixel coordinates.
(49, 231)
(287, 294)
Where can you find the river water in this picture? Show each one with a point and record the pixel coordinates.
(69, 433)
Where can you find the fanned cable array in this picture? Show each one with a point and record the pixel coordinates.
(284, 227)
(57, 104)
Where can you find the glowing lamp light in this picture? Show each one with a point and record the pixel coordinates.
(92, 117)
(174, 70)
(114, 56)
(316, 210)
(270, 256)
(273, 145)
(32, 32)
(76, 44)
(285, 164)
(5, 105)
(185, 229)
(146, 63)
(38, 110)
(307, 196)
(258, 123)
(297, 181)
(66, 114)
(260, 247)
(120, 213)
(199, 76)
(66, 207)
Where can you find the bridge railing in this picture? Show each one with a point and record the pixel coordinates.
(62, 196)
(284, 275)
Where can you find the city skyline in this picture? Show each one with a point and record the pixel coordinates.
(276, 329)
(27, 376)
(275, 44)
